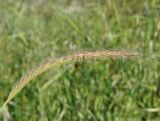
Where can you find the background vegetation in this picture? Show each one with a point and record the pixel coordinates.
(32, 30)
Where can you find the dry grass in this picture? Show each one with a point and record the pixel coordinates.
(46, 65)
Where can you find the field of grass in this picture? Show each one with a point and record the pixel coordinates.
(91, 90)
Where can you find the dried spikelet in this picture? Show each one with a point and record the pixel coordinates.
(53, 62)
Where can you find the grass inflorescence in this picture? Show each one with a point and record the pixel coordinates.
(49, 63)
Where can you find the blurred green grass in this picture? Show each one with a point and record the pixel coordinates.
(32, 30)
